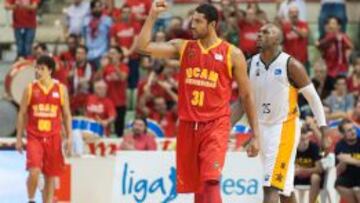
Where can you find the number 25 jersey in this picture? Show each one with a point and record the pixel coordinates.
(205, 81)
(275, 97)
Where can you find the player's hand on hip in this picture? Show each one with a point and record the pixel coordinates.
(68, 147)
(158, 7)
(253, 148)
(19, 145)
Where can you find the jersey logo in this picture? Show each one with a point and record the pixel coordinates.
(219, 57)
(258, 72)
(278, 71)
(55, 95)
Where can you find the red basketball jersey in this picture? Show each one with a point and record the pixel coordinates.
(44, 110)
(204, 81)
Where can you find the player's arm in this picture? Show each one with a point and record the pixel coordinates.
(246, 96)
(145, 46)
(301, 80)
(66, 113)
(21, 119)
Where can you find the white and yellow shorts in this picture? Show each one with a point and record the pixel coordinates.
(278, 144)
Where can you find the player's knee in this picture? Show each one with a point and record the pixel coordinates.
(34, 173)
(315, 178)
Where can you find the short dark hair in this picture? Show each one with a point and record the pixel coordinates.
(118, 49)
(42, 46)
(82, 47)
(342, 123)
(143, 119)
(340, 77)
(93, 3)
(335, 18)
(209, 11)
(48, 61)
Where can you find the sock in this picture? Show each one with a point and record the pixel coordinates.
(211, 192)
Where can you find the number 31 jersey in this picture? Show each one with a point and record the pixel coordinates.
(205, 81)
(44, 109)
(275, 97)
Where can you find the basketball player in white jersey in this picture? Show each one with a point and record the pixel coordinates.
(276, 79)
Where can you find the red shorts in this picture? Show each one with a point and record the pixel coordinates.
(200, 154)
(46, 154)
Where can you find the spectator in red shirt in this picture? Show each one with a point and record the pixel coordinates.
(353, 81)
(80, 75)
(296, 33)
(167, 119)
(175, 29)
(140, 8)
(99, 107)
(124, 34)
(24, 23)
(68, 56)
(138, 139)
(249, 27)
(335, 48)
(115, 74)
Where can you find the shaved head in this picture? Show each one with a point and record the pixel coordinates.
(269, 36)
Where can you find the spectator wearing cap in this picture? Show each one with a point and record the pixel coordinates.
(75, 14)
(296, 34)
(308, 170)
(24, 24)
(96, 30)
(347, 153)
(340, 101)
(138, 139)
(335, 48)
(115, 73)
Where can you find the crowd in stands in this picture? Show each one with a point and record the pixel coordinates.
(101, 69)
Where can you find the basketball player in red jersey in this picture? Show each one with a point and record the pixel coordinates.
(44, 108)
(208, 66)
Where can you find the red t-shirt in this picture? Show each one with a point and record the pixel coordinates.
(24, 18)
(44, 110)
(124, 33)
(142, 142)
(205, 81)
(116, 87)
(100, 108)
(139, 7)
(294, 44)
(334, 53)
(248, 35)
(68, 58)
(61, 72)
(167, 122)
